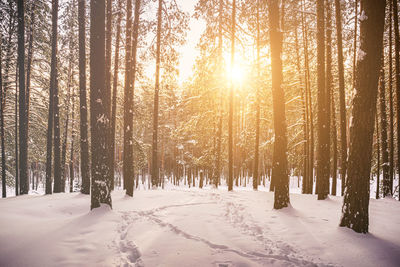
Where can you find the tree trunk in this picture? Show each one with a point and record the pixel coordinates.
(107, 102)
(2, 105)
(154, 167)
(305, 116)
(323, 133)
(356, 197)
(378, 157)
(258, 96)
(115, 88)
(334, 143)
(342, 96)
(397, 75)
(328, 88)
(57, 188)
(309, 107)
(84, 145)
(280, 165)
(384, 144)
(391, 97)
(220, 107)
(129, 174)
(23, 123)
(100, 190)
(16, 133)
(230, 122)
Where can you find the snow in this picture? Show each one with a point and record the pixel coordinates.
(179, 226)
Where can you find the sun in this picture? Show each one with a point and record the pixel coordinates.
(236, 74)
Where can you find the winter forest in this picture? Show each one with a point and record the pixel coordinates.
(200, 133)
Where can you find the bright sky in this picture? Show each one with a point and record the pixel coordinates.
(189, 51)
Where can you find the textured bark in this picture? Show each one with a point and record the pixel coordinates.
(342, 96)
(397, 75)
(2, 105)
(58, 186)
(128, 168)
(107, 102)
(280, 166)
(72, 158)
(23, 120)
(67, 108)
(384, 136)
(154, 165)
(356, 197)
(219, 131)
(230, 122)
(16, 134)
(308, 183)
(99, 120)
(328, 88)
(391, 97)
(115, 88)
(323, 133)
(84, 141)
(258, 96)
(378, 157)
(305, 116)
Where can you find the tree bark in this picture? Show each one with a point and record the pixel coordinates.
(356, 197)
(2, 105)
(99, 120)
(84, 141)
(230, 122)
(342, 97)
(108, 99)
(280, 166)
(383, 123)
(258, 96)
(154, 167)
(23, 123)
(58, 186)
(129, 174)
(115, 88)
(391, 97)
(397, 75)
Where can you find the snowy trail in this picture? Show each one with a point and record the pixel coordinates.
(192, 227)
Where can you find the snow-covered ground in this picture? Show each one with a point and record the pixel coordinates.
(193, 227)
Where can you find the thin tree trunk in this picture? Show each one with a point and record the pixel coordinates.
(129, 174)
(323, 134)
(384, 143)
(16, 133)
(115, 88)
(342, 96)
(154, 167)
(356, 197)
(378, 157)
(100, 190)
(58, 186)
(397, 75)
(230, 122)
(84, 141)
(220, 107)
(23, 124)
(309, 106)
(391, 97)
(328, 88)
(305, 116)
(108, 99)
(72, 159)
(280, 165)
(258, 96)
(2, 105)
(334, 144)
